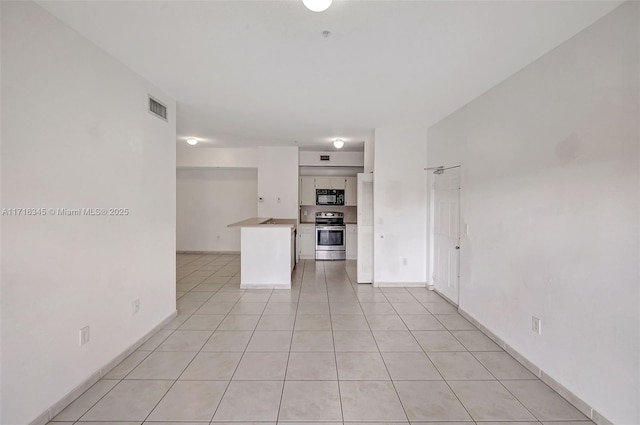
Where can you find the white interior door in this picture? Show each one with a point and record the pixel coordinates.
(446, 230)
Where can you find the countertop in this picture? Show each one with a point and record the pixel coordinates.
(265, 221)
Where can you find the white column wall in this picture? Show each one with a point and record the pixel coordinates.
(278, 182)
(400, 207)
(369, 152)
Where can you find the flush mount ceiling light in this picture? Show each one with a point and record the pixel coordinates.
(338, 143)
(192, 141)
(317, 5)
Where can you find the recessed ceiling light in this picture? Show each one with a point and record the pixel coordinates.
(338, 143)
(192, 141)
(317, 5)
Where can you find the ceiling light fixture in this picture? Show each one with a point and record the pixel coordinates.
(317, 5)
(192, 141)
(338, 143)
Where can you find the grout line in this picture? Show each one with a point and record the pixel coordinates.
(241, 357)
(385, 363)
(333, 340)
(286, 368)
(436, 368)
(196, 355)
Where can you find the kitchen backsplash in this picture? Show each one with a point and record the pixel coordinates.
(350, 213)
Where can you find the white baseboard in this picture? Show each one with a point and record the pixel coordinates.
(66, 400)
(267, 286)
(399, 284)
(573, 399)
(209, 252)
(447, 299)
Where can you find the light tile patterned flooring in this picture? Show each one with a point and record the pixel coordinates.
(328, 350)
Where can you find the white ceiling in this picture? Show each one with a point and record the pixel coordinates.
(248, 73)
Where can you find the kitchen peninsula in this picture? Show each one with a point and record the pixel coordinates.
(267, 252)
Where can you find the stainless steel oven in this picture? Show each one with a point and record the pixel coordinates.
(330, 236)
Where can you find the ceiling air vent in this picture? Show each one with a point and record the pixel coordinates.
(157, 108)
(325, 157)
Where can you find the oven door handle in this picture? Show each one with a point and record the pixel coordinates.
(330, 227)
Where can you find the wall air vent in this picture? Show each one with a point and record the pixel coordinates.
(325, 157)
(157, 108)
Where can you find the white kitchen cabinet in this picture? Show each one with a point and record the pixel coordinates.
(323, 182)
(338, 182)
(309, 184)
(307, 241)
(351, 192)
(307, 190)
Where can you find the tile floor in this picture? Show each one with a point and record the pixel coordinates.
(328, 350)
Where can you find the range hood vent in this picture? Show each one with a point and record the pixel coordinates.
(157, 108)
(325, 158)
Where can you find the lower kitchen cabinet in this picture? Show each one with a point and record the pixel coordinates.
(352, 241)
(307, 241)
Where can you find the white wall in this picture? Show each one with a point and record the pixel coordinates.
(550, 179)
(278, 182)
(210, 199)
(400, 206)
(369, 152)
(201, 155)
(76, 133)
(330, 171)
(337, 159)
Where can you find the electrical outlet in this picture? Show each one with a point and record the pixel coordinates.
(404, 261)
(84, 335)
(536, 325)
(135, 306)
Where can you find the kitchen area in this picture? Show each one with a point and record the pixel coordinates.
(274, 206)
(328, 218)
(271, 247)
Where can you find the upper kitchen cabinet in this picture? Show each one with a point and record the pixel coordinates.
(330, 182)
(309, 184)
(351, 192)
(307, 190)
(338, 183)
(323, 182)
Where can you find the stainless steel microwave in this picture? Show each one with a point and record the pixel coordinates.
(329, 196)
